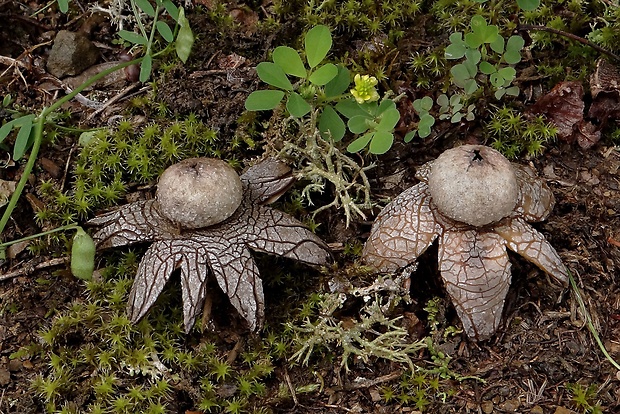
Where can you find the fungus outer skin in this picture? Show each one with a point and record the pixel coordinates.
(536, 200)
(473, 184)
(199, 192)
(403, 230)
(475, 268)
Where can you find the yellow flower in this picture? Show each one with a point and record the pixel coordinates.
(365, 90)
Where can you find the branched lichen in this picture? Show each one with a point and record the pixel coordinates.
(373, 335)
(320, 161)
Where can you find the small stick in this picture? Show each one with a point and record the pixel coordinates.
(26, 269)
(570, 36)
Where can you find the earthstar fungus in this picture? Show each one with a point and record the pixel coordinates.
(477, 204)
(217, 241)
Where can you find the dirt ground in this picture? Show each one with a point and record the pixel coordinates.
(542, 346)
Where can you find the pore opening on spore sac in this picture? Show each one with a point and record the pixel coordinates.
(477, 156)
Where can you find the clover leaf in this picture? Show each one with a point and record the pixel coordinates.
(481, 33)
(317, 43)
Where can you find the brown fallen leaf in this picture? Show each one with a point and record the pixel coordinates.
(605, 87)
(6, 189)
(564, 106)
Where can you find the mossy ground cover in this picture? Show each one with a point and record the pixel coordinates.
(338, 339)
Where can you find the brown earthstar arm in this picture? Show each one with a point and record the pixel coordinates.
(132, 223)
(274, 232)
(403, 230)
(160, 260)
(237, 275)
(525, 240)
(536, 200)
(476, 271)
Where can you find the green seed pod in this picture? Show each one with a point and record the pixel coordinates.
(82, 255)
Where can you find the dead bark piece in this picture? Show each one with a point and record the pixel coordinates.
(564, 106)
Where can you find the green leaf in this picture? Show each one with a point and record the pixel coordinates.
(324, 74)
(263, 100)
(472, 58)
(496, 80)
(330, 124)
(498, 45)
(508, 73)
(6, 129)
(385, 105)
(442, 101)
(513, 50)
(273, 75)
(470, 86)
(297, 106)
(457, 47)
(513, 91)
(132, 37)
(164, 30)
(381, 142)
(358, 124)
(388, 120)
(471, 67)
(23, 141)
(83, 255)
(528, 5)
(63, 6)
(172, 9)
(424, 104)
(339, 84)
(460, 74)
(185, 37)
(318, 41)
(145, 68)
(410, 135)
(481, 33)
(424, 132)
(426, 121)
(146, 7)
(350, 108)
(360, 143)
(487, 68)
(290, 61)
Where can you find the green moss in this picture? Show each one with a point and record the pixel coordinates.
(361, 18)
(515, 135)
(115, 159)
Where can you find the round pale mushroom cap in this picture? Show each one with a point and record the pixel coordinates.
(473, 184)
(198, 192)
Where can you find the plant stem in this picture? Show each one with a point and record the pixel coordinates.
(71, 226)
(589, 323)
(38, 135)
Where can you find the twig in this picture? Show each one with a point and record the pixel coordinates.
(367, 383)
(588, 318)
(579, 39)
(114, 99)
(27, 269)
(290, 387)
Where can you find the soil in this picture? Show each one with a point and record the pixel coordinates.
(544, 343)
